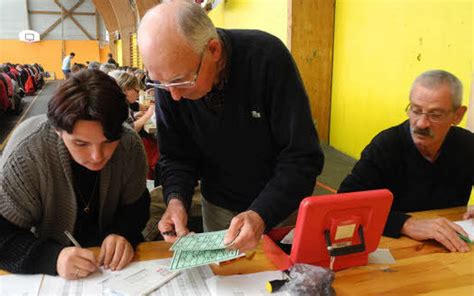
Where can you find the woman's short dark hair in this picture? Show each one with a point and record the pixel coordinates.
(89, 95)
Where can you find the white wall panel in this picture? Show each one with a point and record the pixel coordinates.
(13, 19)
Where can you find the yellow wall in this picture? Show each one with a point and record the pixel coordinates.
(118, 46)
(267, 15)
(48, 53)
(380, 46)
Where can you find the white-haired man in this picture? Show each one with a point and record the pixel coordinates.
(232, 111)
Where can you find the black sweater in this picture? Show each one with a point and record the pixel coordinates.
(261, 152)
(392, 161)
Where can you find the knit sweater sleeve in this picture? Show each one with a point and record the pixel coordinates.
(20, 210)
(22, 252)
(373, 171)
(300, 159)
(20, 201)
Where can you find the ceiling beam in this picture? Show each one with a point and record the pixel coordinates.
(69, 13)
(58, 12)
(59, 20)
(124, 13)
(104, 8)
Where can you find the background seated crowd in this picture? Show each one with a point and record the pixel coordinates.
(16, 81)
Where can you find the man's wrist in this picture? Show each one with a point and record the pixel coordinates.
(173, 196)
(406, 226)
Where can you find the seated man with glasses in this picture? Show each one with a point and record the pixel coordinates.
(426, 162)
(231, 111)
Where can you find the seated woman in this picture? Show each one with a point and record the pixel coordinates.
(78, 169)
(140, 114)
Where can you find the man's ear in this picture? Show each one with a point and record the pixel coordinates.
(58, 132)
(215, 48)
(459, 114)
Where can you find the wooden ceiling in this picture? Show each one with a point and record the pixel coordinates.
(122, 15)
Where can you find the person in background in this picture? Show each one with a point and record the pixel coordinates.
(93, 65)
(106, 68)
(427, 162)
(233, 114)
(77, 67)
(140, 114)
(66, 67)
(78, 169)
(111, 60)
(131, 87)
(140, 74)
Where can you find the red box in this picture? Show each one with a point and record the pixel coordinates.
(348, 222)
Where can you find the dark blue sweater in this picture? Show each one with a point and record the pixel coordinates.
(392, 161)
(261, 152)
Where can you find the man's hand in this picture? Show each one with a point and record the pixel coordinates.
(116, 252)
(439, 229)
(173, 220)
(469, 214)
(74, 263)
(245, 231)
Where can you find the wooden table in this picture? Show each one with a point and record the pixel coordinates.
(422, 268)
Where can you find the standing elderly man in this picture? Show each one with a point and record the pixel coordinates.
(427, 162)
(232, 111)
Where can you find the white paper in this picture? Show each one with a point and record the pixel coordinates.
(24, 285)
(141, 280)
(381, 256)
(190, 282)
(468, 226)
(288, 239)
(91, 285)
(245, 284)
(99, 283)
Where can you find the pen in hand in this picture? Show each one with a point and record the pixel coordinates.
(169, 233)
(464, 238)
(76, 243)
(72, 239)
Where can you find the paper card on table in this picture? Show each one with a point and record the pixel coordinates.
(288, 239)
(468, 226)
(245, 284)
(187, 259)
(200, 241)
(381, 256)
(190, 282)
(14, 284)
(141, 281)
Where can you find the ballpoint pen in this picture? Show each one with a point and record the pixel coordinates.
(169, 233)
(464, 238)
(72, 239)
(77, 244)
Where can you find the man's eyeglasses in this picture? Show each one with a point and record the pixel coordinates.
(435, 116)
(181, 84)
